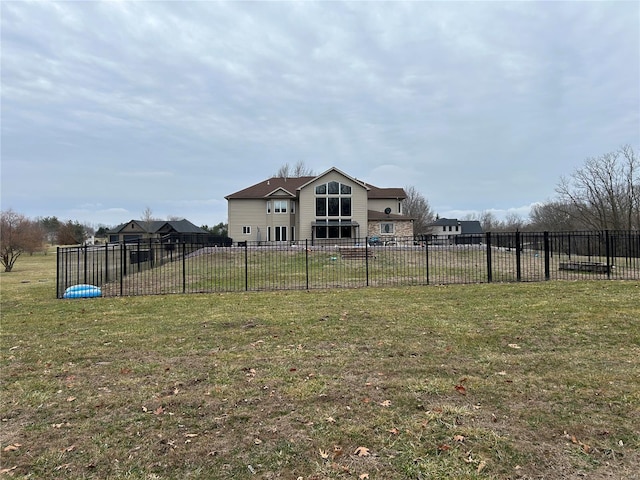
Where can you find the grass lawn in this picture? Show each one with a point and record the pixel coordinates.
(536, 380)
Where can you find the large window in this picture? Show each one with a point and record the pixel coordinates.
(333, 199)
(333, 210)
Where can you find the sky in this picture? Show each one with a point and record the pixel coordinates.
(113, 108)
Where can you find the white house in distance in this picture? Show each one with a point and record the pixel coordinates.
(446, 230)
(332, 207)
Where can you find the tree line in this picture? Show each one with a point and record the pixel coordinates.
(603, 194)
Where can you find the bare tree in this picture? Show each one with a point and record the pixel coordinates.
(18, 234)
(417, 206)
(489, 222)
(552, 216)
(298, 170)
(605, 193)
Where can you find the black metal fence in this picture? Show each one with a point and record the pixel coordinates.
(147, 268)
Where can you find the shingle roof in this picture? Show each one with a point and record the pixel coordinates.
(266, 187)
(376, 216)
(466, 226)
(178, 226)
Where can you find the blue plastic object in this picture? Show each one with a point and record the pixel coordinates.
(82, 291)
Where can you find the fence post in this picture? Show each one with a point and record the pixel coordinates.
(123, 266)
(57, 272)
(426, 255)
(184, 267)
(489, 271)
(246, 267)
(106, 262)
(607, 243)
(547, 256)
(518, 258)
(306, 260)
(84, 261)
(366, 259)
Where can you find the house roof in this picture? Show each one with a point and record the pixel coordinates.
(376, 216)
(441, 222)
(471, 227)
(266, 187)
(177, 226)
(466, 226)
(271, 185)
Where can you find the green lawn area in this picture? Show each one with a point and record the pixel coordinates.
(502, 381)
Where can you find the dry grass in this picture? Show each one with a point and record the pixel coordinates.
(481, 381)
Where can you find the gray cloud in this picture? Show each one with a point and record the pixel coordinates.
(109, 107)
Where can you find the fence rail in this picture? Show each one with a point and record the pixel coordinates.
(147, 268)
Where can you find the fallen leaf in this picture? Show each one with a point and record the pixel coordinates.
(158, 411)
(324, 454)
(12, 448)
(70, 448)
(461, 389)
(444, 447)
(394, 431)
(331, 420)
(190, 435)
(257, 441)
(458, 438)
(7, 470)
(362, 452)
(514, 345)
(363, 476)
(70, 399)
(481, 466)
(337, 451)
(386, 403)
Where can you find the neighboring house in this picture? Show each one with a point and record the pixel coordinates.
(158, 230)
(332, 206)
(447, 230)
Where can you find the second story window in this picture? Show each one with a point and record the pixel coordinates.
(280, 206)
(333, 199)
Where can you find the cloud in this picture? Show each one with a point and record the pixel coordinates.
(479, 105)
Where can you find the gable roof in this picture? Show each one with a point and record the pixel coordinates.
(154, 226)
(334, 169)
(267, 187)
(271, 185)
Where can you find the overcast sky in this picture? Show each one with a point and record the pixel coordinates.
(110, 108)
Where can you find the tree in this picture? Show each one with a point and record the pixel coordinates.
(71, 233)
(417, 206)
(605, 193)
(50, 225)
(299, 170)
(552, 216)
(18, 234)
(220, 230)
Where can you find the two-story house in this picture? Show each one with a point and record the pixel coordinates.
(332, 206)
